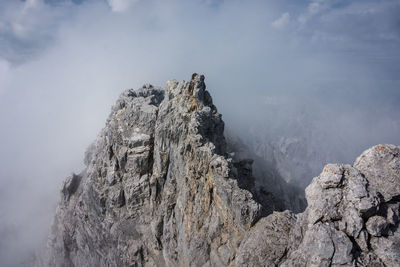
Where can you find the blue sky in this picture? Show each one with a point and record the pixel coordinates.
(63, 63)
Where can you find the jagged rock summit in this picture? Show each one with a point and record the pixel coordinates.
(160, 189)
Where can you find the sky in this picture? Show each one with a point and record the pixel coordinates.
(63, 63)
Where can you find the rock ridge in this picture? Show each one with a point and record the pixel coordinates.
(160, 189)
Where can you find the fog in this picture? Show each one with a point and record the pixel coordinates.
(274, 68)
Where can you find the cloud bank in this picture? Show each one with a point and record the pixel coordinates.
(63, 63)
(120, 5)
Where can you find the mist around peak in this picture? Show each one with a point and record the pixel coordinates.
(291, 78)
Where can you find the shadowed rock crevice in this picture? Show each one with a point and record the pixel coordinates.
(71, 185)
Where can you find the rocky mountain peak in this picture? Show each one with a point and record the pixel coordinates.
(160, 189)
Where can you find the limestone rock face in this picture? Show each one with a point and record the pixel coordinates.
(160, 189)
(349, 221)
(381, 167)
(267, 242)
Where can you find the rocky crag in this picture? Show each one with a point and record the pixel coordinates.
(160, 189)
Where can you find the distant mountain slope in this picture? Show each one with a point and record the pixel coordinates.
(267, 175)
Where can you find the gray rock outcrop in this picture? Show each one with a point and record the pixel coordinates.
(348, 221)
(160, 189)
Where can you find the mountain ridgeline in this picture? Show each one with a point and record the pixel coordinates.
(164, 187)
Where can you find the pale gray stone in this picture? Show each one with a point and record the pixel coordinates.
(267, 242)
(381, 166)
(376, 225)
(160, 188)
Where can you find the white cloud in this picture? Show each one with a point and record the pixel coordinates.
(360, 23)
(282, 21)
(27, 27)
(121, 5)
(24, 19)
(4, 75)
(314, 7)
(32, 3)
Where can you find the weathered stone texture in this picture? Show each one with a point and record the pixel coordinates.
(160, 189)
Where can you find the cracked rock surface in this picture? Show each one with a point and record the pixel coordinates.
(349, 221)
(160, 189)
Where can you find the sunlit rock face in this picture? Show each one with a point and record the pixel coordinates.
(161, 189)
